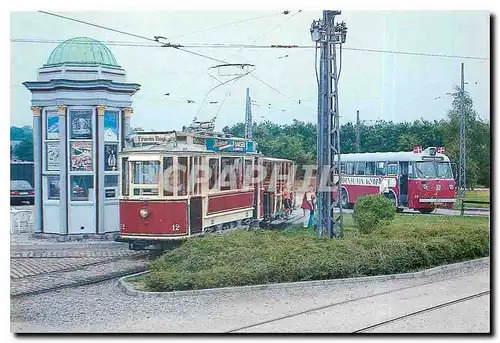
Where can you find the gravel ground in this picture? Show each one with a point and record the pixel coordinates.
(104, 308)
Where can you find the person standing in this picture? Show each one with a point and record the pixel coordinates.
(383, 188)
(308, 207)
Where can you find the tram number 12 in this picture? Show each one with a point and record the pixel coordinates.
(176, 227)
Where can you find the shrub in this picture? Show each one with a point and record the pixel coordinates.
(372, 212)
(262, 257)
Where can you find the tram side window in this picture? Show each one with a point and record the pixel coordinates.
(392, 169)
(213, 164)
(342, 167)
(381, 168)
(125, 177)
(248, 173)
(182, 175)
(228, 180)
(168, 176)
(370, 168)
(360, 168)
(238, 170)
(350, 168)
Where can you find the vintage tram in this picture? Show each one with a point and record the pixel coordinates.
(177, 185)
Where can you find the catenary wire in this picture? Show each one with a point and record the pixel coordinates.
(246, 46)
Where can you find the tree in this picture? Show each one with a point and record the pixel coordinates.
(24, 151)
(477, 140)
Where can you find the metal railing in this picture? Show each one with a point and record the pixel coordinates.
(21, 221)
(463, 208)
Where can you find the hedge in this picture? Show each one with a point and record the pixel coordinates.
(250, 258)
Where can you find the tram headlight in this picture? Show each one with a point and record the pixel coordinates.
(144, 212)
(425, 186)
(450, 187)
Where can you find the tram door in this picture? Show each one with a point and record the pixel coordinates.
(196, 201)
(403, 183)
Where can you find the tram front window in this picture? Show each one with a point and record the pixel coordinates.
(145, 173)
(425, 170)
(444, 170)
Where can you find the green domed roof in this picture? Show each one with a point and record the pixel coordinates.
(82, 51)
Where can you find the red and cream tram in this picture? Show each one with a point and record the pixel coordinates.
(419, 180)
(181, 189)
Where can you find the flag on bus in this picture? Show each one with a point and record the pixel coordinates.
(417, 149)
(440, 150)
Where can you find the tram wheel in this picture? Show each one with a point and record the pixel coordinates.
(426, 210)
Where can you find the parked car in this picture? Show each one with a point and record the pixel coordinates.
(21, 190)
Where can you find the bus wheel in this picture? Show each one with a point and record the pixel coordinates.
(344, 198)
(426, 210)
(392, 198)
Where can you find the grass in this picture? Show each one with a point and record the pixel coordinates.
(474, 196)
(260, 257)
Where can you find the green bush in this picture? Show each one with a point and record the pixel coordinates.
(372, 212)
(251, 258)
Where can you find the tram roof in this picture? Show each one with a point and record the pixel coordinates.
(390, 156)
(195, 149)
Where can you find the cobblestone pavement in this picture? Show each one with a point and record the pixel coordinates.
(41, 264)
(78, 275)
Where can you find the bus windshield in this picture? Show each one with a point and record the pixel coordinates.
(444, 170)
(425, 170)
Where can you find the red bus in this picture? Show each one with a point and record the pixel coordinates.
(421, 181)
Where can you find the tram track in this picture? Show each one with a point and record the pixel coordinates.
(79, 276)
(425, 310)
(353, 300)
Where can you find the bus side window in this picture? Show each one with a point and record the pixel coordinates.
(360, 168)
(381, 168)
(350, 168)
(370, 168)
(392, 169)
(342, 167)
(410, 170)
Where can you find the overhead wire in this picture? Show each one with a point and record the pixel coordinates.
(246, 46)
(129, 34)
(224, 25)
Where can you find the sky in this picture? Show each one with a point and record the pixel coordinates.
(392, 87)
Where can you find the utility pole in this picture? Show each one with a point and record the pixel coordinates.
(358, 133)
(462, 185)
(248, 116)
(327, 35)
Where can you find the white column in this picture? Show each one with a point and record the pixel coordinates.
(63, 171)
(101, 165)
(37, 161)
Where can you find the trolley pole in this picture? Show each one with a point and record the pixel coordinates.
(358, 133)
(462, 185)
(329, 211)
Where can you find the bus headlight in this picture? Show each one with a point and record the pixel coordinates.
(144, 212)
(425, 186)
(450, 187)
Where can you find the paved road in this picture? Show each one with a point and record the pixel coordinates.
(334, 308)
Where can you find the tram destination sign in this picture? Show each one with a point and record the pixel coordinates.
(217, 144)
(154, 138)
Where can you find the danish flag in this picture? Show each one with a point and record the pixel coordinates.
(440, 150)
(417, 149)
